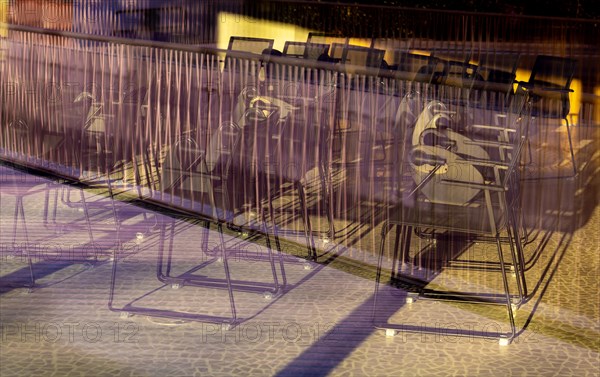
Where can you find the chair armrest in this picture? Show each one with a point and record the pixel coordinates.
(532, 86)
(490, 143)
(488, 163)
(496, 128)
(550, 89)
(427, 159)
(482, 186)
(200, 159)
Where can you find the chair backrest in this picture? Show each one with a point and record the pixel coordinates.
(456, 63)
(494, 76)
(182, 158)
(463, 157)
(188, 153)
(263, 130)
(221, 148)
(552, 72)
(327, 38)
(362, 56)
(425, 68)
(247, 44)
(335, 52)
(498, 68)
(305, 50)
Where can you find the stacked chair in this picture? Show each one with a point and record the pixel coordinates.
(287, 123)
(203, 174)
(458, 186)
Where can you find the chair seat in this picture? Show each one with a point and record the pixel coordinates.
(549, 108)
(22, 190)
(472, 218)
(16, 184)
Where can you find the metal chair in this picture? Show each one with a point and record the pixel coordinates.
(449, 185)
(548, 88)
(362, 100)
(265, 133)
(188, 171)
(21, 186)
(97, 164)
(286, 125)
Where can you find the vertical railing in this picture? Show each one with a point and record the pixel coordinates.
(100, 109)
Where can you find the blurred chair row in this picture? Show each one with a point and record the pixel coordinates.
(491, 77)
(455, 160)
(452, 184)
(479, 79)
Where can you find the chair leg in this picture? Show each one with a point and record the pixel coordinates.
(310, 241)
(516, 266)
(160, 275)
(518, 259)
(384, 231)
(280, 255)
(507, 295)
(55, 208)
(169, 262)
(113, 278)
(278, 246)
(327, 189)
(46, 205)
(401, 247)
(271, 259)
(571, 148)
(19, 208)
(87, 217)
(31, 274)
(114, 211)
(16, 219)
(227, 276)
(529, 154)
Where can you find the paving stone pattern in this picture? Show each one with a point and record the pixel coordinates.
(320, 325)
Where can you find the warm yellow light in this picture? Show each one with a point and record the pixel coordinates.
(420, 52)
(3, 18)
(229, 24)
(523, 75)
(596, 105)
(3, 26)
(364, 42)
(575, 100)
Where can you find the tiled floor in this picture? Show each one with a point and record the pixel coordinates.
(320, 325)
